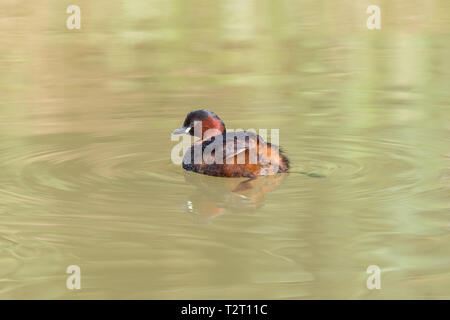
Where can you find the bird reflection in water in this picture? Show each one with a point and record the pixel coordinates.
(214, 196)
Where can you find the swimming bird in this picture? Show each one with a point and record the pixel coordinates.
(223, 153)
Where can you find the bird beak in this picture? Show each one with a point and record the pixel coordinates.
(182, 130)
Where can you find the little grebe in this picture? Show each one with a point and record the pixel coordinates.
(228, 154)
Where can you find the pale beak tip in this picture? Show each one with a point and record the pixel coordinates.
(181, 130)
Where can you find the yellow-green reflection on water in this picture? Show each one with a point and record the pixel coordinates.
(86, 175)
